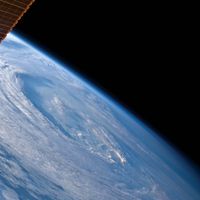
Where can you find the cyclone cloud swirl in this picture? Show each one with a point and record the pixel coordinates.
(61, 140)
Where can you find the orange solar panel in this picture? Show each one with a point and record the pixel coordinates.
(11, 12)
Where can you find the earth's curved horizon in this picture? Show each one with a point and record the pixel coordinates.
(63, 139)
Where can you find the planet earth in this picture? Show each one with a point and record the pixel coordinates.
(61, 138)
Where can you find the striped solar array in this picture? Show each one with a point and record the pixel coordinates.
(11, 12)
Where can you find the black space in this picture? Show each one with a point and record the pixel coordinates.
(139, 54)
